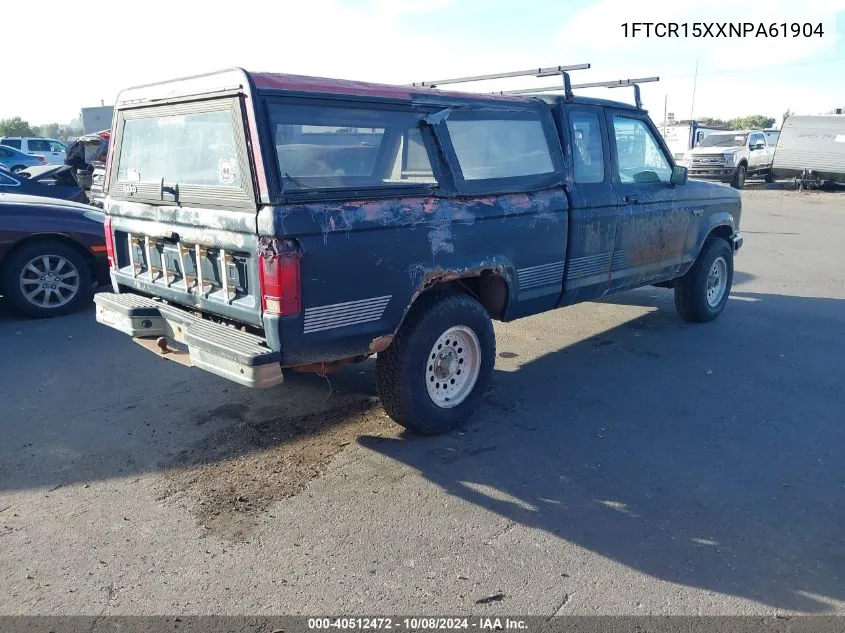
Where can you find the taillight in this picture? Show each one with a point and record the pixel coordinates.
(278, 274)
(42, 159)
(109, 242)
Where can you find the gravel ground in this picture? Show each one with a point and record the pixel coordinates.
(624, 462)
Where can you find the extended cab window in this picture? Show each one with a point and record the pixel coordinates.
(640, 158)
(339, 147)
(493, 146)
(587, 152)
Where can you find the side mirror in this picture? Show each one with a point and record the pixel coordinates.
(679, 175)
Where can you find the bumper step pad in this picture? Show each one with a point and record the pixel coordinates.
(176, 334)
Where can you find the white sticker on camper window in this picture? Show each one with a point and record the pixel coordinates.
(840, 138)
(133, 175)
(225, 172)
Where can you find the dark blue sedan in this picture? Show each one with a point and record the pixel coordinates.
(52, 252)
(50, 181)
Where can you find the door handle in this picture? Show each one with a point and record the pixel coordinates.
(629, 199)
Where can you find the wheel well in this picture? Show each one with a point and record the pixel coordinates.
(724, 231)
(490, 288)
(54, 237)
(743, 162)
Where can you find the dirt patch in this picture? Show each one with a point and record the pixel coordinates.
(232, 476)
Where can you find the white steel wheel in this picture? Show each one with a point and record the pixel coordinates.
(452, 366)
(717, 282)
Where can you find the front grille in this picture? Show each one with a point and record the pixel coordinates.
(709, 160)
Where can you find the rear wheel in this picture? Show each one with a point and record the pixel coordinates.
(702, 293)
(433, 375)
(18, 168)
(45, 279)
(741, 173)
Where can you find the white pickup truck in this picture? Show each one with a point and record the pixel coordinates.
(731, 157)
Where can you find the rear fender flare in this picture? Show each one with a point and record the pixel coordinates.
(427, 278)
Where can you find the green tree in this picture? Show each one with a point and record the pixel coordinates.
(50, 130)
(710, 122)
(70, 132)
(755, 121)
(15, 126)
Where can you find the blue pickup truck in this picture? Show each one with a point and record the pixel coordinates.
(258, 222)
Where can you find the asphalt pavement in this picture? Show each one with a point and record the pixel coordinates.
(623, 462)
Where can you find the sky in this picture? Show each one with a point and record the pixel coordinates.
(399, 41)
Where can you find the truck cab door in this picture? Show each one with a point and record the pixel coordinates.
(593, 213)
(653, 219)
(758, 157)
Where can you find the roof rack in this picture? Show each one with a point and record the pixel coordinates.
(568, 88)
(535, 72)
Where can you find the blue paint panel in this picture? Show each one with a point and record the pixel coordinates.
(356, 253)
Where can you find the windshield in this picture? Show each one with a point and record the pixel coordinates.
(724, 140)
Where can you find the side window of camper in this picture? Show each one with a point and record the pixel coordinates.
(494, 146)
(335, 147)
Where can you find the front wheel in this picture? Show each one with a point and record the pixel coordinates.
(434, 374)
(702, 293)
(741, 173)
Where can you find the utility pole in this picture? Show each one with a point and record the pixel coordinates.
(694, 83)
(665, 112)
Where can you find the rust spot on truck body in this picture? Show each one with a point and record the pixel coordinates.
(378, 345)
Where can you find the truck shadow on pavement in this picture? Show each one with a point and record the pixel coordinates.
(704, 455)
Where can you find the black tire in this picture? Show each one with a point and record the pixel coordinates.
(770, 177)
(401, 369)
(740, 176)
(17, 168)
(692, 289)
(14, 265)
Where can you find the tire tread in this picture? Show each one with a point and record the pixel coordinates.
(396, 365)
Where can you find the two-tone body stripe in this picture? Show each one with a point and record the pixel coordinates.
(337, 315)
(539, 276)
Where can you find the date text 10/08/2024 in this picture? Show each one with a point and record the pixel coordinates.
(722, 29)
(416, 624)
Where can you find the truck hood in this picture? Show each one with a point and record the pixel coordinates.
(710, 151)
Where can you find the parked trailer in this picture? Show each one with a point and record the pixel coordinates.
(811, 150)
